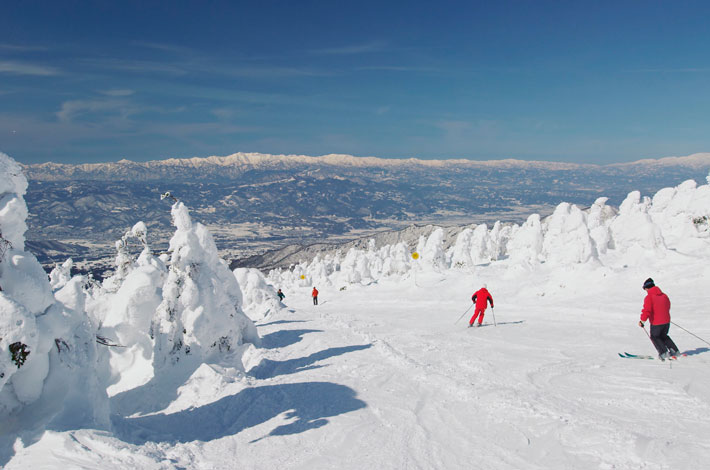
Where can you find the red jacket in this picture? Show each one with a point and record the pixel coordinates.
(656, 307)
(482, 297)
(314, 293)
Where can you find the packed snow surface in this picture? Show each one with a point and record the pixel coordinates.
(384, 372)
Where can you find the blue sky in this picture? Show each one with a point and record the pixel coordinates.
(96, 81)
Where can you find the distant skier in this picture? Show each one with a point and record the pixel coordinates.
(657, 309)
(314, 294)
(481, 299)
(281, 295)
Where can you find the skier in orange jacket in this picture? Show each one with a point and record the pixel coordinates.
(314, 294)
(481, 299)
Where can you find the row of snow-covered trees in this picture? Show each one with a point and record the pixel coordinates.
(674, 218)
(64, 340)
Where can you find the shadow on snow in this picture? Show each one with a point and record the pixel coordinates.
(281, 322)
(158, 392)
(268, 368)
(696, 351)
(283, 338)
(308, 403)
(503, 323)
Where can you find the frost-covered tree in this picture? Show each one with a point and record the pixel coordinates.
(679, 212)
(349, 266)
(525, 244)
(480, 245)
(598, 221)
(124, 307)
(459, 255)
(259, 298)
(433, 251)
(396, 259)
(61, 274)
(200, 313)
(125, 262)
(498, 240)
(50, 367)
(633, 226)
(567, 237)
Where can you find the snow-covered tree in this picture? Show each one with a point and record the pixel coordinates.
(396, 259)
(125, 262)
(567, 237)
(480, 245)
(61, 274)
(525, 244)
(200, 313)
(459, 256)
(48, 354)
(598, 221)
(259, 297)
(633, 226)
(349, 266)
(124, 308)
(432, 252)
(680, 211)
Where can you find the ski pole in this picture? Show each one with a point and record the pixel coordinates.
(464, 313)
(493, 311)
(649, 336)
(690, 333)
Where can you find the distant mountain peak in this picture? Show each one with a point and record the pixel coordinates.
(695, 160)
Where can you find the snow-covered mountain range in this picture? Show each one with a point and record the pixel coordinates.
(216, 167)
(255, 202)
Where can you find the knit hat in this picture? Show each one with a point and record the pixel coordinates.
(648, 284)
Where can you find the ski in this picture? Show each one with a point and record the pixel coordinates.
(635, 356)
(626, 355)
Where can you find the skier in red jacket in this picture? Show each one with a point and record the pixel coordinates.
(657, 309)
(481, 299)
(314, 294)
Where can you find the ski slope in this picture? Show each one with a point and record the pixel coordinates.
(381, 376)
(208, 370)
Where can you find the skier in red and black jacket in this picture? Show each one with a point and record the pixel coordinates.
(481, 299)
(314, 294)
(657, 309)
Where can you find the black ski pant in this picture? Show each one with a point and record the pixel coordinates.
(660, 338)
(315, 300)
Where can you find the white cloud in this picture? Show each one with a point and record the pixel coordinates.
(19, 68)
(72, 109)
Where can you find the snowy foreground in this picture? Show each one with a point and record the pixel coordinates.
(381, 377)
(381, 374)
